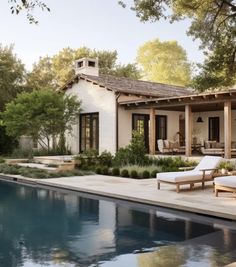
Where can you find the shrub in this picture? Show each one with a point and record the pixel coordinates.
(124, 173)
(19, 153)
(2, 160)
(145, 174)
(115, 171)
(122, 157)
(154, 173)
(98, 170)
(133, 174)
(105, 170)
(105, 159)
(88, 159)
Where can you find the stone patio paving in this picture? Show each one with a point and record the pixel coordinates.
(145, 191)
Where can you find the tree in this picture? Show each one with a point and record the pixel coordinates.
(11, 75)
(44, 115)
(212, 21)
(164, 62)
(29, 6)
(53, 72)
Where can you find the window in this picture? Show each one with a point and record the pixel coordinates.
(214, 129)
(91, 64)
(161, 127)
(80, 64)
(140, 123)
(89, 131)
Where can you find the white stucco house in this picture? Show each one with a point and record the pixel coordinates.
(112, 107)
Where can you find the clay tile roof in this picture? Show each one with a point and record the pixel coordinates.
(131, 86)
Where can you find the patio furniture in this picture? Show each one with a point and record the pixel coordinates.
(164, 146)
(203, 172)
(225, 184)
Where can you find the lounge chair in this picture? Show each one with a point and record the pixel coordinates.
(225, 183)
(203, 172)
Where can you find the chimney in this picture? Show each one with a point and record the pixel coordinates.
(87, 66)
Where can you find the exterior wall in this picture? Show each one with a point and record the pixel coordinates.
(95, 99)
(201, 131)
(125, 123)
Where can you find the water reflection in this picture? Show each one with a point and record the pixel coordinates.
(40, 227)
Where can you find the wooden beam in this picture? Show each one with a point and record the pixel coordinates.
(152, 140)
(188, 130)
(227, 128)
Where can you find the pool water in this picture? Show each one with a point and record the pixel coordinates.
(42, 227)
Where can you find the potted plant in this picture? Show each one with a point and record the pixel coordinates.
(226, 167)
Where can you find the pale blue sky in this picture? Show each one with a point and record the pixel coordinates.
(99, 24)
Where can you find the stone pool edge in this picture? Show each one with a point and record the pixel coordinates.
(43, 182)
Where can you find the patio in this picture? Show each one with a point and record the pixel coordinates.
(145, 191)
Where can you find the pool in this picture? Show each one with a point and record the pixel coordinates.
(45, 227)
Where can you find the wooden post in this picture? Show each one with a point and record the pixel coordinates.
(188, 131)
(152, 139)
(227, 128)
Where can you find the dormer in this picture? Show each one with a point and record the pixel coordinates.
(87, 66)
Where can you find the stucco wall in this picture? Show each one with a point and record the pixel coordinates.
(95, 99)
(201, 131)
(125, 123)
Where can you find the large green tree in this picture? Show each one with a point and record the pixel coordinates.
(213, 22)
(164, 62)
(12, 75)
(43, 114)
(53, 72)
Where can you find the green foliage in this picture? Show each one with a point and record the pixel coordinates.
(164, 62)
(124, 173)
(22, 153)
(37, 173)
(105, 159)
(88, 159)
(145, 174)
(226, 165)
(133, 174)
(43, 115)
(29, 6)
(7, 143)
(105, 170)
(134, 153)
(115, 171)
(154, 173)
(2, 160)
(53, 72)
(12, 75)
(98, 170)
(212, 22)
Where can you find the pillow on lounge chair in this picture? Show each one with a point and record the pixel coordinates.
(166, 144)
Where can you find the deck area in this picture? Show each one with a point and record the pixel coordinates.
(145, 191)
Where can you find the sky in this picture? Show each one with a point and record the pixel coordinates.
(97, 24)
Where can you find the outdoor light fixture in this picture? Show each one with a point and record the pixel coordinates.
(199, 119)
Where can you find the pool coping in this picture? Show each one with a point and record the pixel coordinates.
(52, 183)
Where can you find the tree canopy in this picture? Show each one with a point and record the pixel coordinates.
(43, 115)
(53, 72)
(12, 75)
(28, 6)
(164, 62)
(213, 22)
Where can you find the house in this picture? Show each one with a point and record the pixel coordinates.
(112, 107)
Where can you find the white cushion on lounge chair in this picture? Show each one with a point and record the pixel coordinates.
(207, 162)
(227, 181)
(174, 177)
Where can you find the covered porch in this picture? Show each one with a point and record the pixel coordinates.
(207, 119)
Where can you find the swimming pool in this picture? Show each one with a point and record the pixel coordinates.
(43, 227)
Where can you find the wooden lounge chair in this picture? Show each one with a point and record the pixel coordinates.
(203, 172)
(225, 184)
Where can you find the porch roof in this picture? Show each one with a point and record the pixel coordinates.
(199, 102)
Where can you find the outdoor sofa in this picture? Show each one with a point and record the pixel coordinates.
(225, 184)
(203, 172)
(216, 148)
(169, 147)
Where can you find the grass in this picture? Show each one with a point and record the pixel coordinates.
(38, 173)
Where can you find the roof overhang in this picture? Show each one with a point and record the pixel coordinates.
(175, 103)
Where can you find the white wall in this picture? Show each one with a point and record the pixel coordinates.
(125, 123)
(201, 129)
(96, 99)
